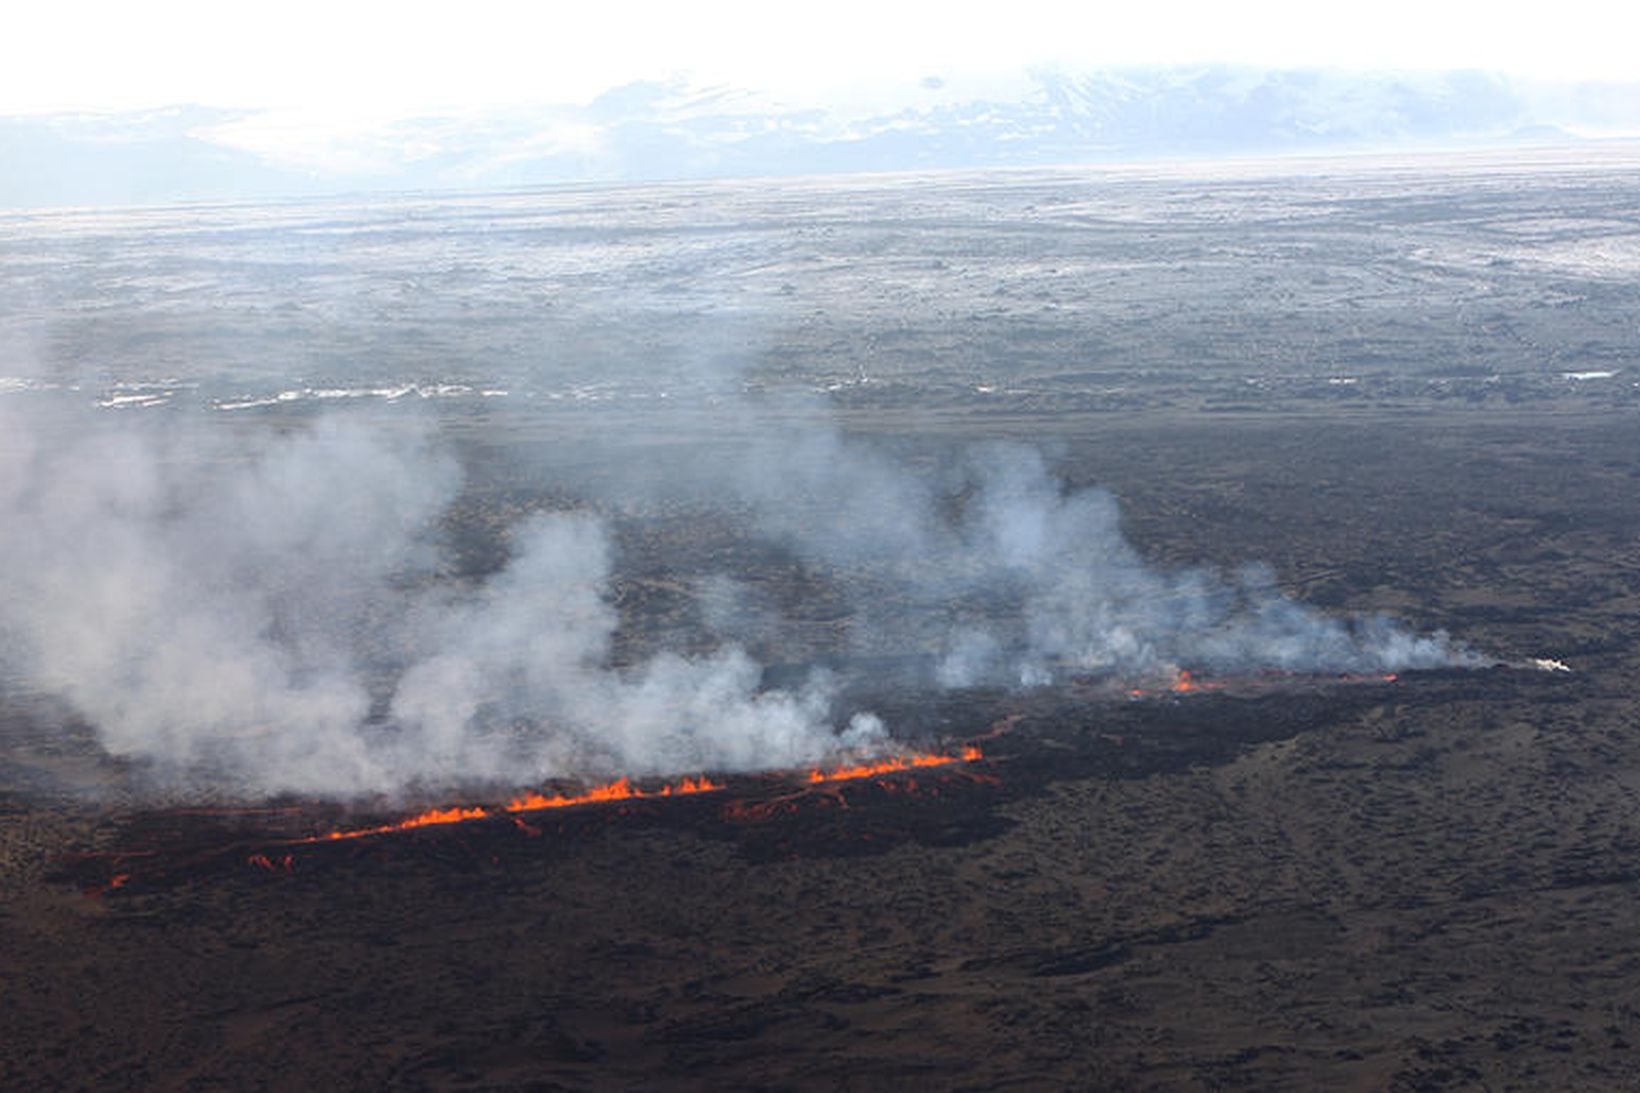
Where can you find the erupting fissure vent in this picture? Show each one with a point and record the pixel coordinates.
(623, 789)
(893, 765)
(273, 852)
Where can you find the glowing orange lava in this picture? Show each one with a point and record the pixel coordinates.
(426, 819)
(281, 856)
(622, 789)
(619, 790)
(968, 754)
(1183, 683)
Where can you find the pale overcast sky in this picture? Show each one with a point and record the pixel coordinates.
(372, 56)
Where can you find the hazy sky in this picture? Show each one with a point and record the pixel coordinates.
(372, 56)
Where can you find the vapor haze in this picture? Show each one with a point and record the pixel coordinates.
(668, 127)
(277, 617)
(1033, 581)
(225, 612)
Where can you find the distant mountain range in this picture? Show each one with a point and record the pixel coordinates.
(672, 130)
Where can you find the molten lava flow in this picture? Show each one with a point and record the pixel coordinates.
(1182, 683)
(281, 855)
(619, 790)
(968, 754)
(689, 785)
(426, 819)
(823, 785)
(622, 789)
(284, 855)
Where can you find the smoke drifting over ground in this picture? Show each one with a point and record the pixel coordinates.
(225, 611)
(278, 617)
(1037, 580)
(1090, 603)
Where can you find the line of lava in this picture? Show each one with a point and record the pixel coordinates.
(623, 790)
(620, 790)
(968, 754)
(432, 818)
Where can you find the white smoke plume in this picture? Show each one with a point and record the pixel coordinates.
(201, 614)
(533, 646)
(220, 611)
(1036, 581)
(1090, 603)
(271, 612)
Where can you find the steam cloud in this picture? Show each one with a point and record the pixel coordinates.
(275, 615)
(1035, 581)
(1090, 603)
(226, 610)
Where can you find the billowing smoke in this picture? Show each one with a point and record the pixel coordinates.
(226, 611)
(1028, 581)
(276, 612)
(1090, 603)
(196, 604)
(532, 646)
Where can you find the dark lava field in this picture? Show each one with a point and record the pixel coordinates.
(1404, 387)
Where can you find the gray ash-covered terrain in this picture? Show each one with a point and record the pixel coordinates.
(806, 474)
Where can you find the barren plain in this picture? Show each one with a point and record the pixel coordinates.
(1403, 388)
